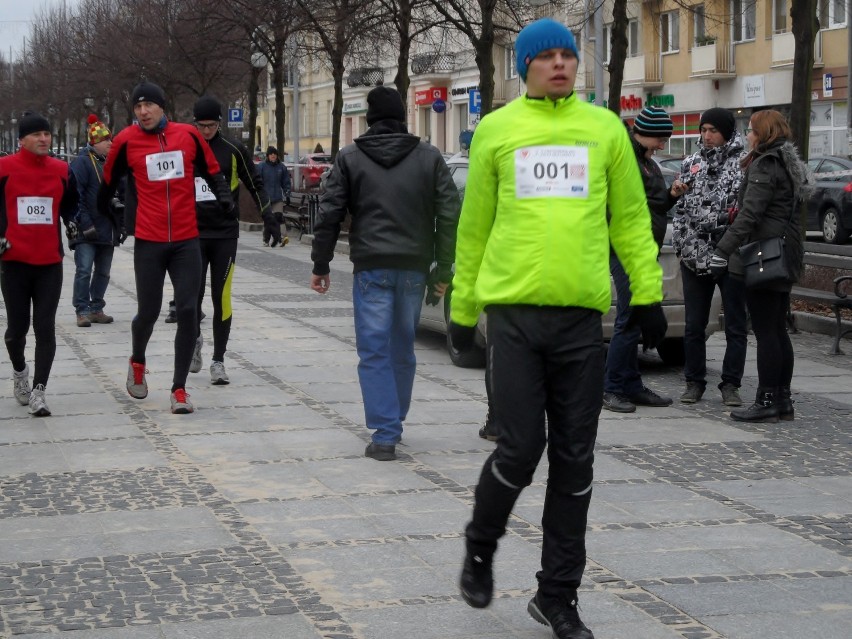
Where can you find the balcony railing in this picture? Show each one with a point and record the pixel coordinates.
(366, 77)
(433, 63)
(642, 71)
(712, 61)
(784, 49)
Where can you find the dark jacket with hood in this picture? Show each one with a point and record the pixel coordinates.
(276, 180)
(659, 195)
(403, 202)
(773, 182)
(88, 168)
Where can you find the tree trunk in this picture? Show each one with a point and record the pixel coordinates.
(278, 82)
(337, 70)
(805, 27)
(402, 80)
(484, 47)
(618, 54)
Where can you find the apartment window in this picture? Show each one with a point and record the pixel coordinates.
(832, 13)
(744, 19)
(669, 32)
(511, 64)
(328, 109)
(316, 118)
(607, 43)
(633, 43)
(779, 16)
(699, 25)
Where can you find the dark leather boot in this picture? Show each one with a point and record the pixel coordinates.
(477, 579)
(764, 409)
(785, 405)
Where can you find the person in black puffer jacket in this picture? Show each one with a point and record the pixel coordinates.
(774, 182)
(405, 209)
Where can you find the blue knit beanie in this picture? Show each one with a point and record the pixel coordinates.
(539, 36)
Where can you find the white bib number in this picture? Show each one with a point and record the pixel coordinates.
(552, 171)
(35, 210)
(164, 166)
(202, 191)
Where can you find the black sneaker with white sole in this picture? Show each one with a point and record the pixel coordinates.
(562, 617)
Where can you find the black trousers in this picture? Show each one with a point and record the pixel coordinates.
(40, 286)
(220, 255)
(547, 370)
(182, 262)
(768, 310)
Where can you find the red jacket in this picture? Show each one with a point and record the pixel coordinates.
(161, 167)
(35, 191)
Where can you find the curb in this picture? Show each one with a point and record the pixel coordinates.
(810, 323)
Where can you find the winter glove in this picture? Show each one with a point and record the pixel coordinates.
(90, 233)
(461, 337)
(717, 266)
(431, 280)
(651, 321)
(4, 245)
(122, 235)
(71, 232)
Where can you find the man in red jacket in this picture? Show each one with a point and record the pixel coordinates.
(162, 160)
(35, 191)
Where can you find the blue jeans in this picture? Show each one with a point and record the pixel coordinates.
(90, 287)
(387, 309)
(622, 360)
(698, 296)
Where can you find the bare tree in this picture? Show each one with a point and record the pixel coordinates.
(618, 53)
(805, 28)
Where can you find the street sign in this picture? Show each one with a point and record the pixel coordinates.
(235, 118)
(439, 106)
(475, 101)
(827, 85)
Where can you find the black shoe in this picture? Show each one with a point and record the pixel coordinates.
(786, 412)
(562, 618)
(618, 403)
(488, 431)
(477, 580)
(380, 452)
(730, 394)
(764, 409)
(647, 397)
(693, 393)
(171, 318)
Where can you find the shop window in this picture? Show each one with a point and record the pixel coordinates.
(744, 17)
(832, 13)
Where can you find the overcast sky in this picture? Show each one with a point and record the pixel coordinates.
(15, 16)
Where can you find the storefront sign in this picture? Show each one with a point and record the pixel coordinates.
(355, 106)
(753, 94)
(426, 97)
(660, 100)
(456, 91)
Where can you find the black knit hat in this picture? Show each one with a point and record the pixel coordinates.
(32, 122)
(270, 150)
(207, 108)
(653, 122)
(148, 92)
(384, 103)
(722, 119)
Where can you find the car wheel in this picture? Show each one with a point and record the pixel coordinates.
(473, 358)
(832, 229)
(671, 351)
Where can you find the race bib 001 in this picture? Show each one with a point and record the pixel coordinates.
(552, 171)
(164, 166)
(202, 191)
(35, 210)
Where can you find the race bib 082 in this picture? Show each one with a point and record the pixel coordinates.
(35, 210)
(164, 166)
(552, 171)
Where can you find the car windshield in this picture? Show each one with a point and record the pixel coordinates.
(459, 176)
(322, 159)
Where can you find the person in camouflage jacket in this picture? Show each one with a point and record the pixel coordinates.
(712, 175)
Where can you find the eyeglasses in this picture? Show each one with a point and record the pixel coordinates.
(748, 130)
(206, 125)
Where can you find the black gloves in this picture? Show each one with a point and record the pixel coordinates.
(461, 337)
(122, 235)
(71, 232)
(651, 321)
(90, 233)
(717, 266)
(431, 280)
(4, 245)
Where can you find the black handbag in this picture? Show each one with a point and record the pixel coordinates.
(765, 263)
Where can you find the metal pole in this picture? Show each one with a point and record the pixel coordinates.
(599, 53)
(848, 83)
(294, 70)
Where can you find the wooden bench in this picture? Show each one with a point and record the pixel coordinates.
(298, 217)
(836, 257)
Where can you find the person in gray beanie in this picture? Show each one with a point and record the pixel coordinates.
(713, 175)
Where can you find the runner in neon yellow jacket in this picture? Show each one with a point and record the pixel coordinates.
(516, 247)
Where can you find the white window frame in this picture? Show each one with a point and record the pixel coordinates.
(607, 43)
(827, 11)
(779, 16)
(670, 32)
(743, 16)
(511, 64)
(634, 41)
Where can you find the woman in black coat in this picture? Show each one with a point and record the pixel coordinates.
(774, 176)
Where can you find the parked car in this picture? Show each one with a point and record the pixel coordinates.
(311, 167)
(670, 350)
(830, 202)
(671, 162)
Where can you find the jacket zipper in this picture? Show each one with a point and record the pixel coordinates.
(161, 137)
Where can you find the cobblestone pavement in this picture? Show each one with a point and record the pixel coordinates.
(258, 516)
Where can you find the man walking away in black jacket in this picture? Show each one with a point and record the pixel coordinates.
(405, 208)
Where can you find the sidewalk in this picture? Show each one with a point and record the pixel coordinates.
(258, 516)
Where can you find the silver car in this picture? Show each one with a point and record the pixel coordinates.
(670, 351)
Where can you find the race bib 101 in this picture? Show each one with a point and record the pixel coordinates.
(164, 166)
(35, 210)
(202, 191)
(552, 171)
